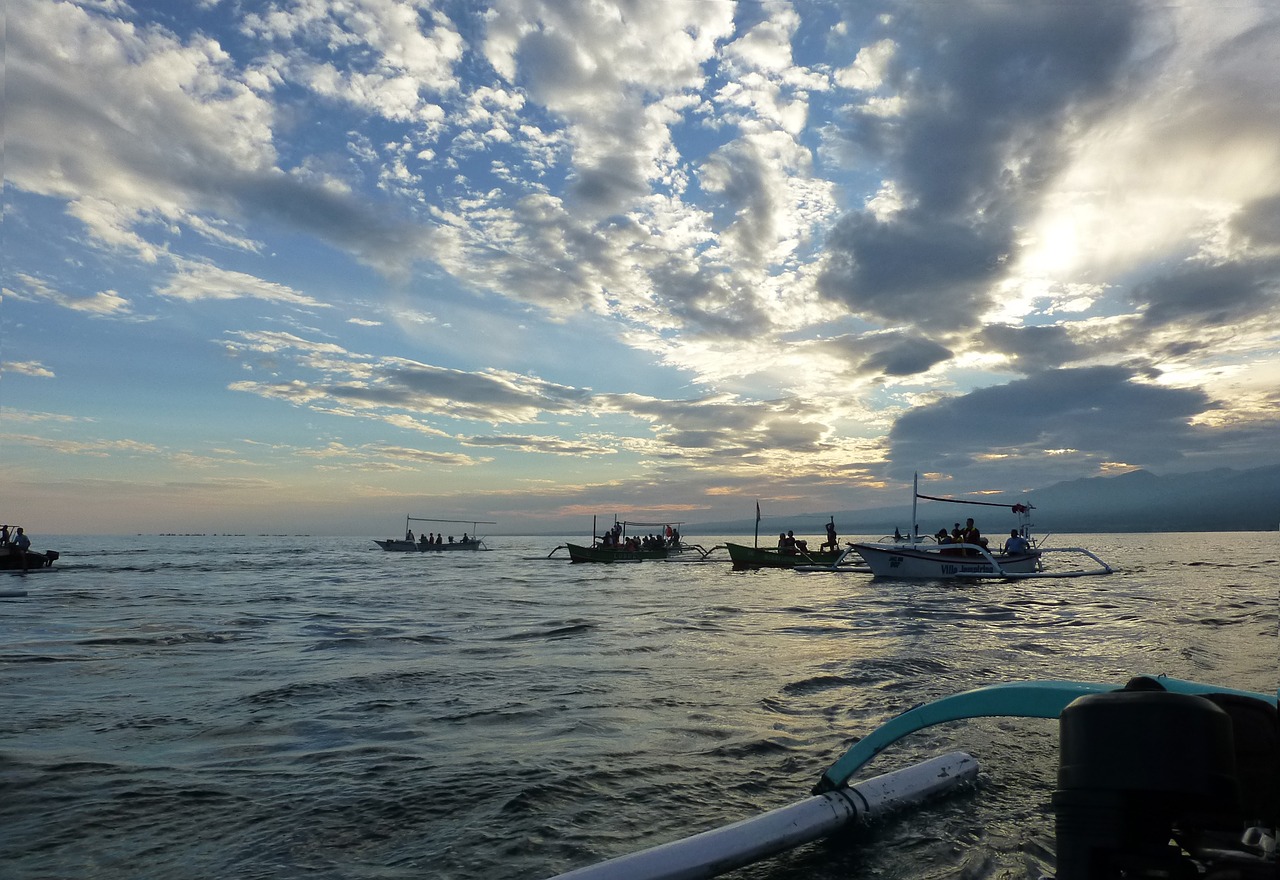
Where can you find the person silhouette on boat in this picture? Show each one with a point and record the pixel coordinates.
(831, 541)
(786, 544)
(946, 539)
(408, 536)
(797, 545)
(972, 535)
(465, 539)
(19, 545)
(4, 536)
(1016, 543)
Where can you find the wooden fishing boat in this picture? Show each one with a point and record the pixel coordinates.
(744, 557)
(633, 541)
(469, 541)
(1158, 778)
(597, 553)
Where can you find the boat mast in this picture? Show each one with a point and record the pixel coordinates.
(915, 499)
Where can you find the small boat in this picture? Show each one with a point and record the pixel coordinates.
(598, 553)
(1159, 778)
(744, 557)
(623, 544)
(422, 545)
(798, 556)
(917, 556)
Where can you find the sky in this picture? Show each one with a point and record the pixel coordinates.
(306, 266)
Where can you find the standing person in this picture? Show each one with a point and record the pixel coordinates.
(4, 535)
(831, 538)
(19, 545)
(973, 536)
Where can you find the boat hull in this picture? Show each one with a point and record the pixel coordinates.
(579, 553)
(930, 562)
(763, 557)
(398, 546)
(11, 559)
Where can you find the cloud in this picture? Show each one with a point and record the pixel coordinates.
(1087, 414)
(1223, 295)
(888, 354)
(988, 97)
(104, 303)
(1033, 349)
(203, 281)
(544, 445)
(34, 369)
(178, 138)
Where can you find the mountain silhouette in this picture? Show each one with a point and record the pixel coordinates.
(1221, 500)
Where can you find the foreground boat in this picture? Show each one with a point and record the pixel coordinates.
(919, 556)
(423, 545)
(1159, 778)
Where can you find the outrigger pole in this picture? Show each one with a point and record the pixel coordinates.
(723, 849)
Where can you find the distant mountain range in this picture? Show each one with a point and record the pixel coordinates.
(1222, 500)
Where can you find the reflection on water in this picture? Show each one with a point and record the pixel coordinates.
(291, 707)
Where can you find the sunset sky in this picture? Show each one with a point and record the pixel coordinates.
(313, 266)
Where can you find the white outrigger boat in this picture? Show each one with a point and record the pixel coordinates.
(423, 545)
(916, 556)
(1159, 778)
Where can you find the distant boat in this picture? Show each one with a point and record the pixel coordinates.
(439, 544)
(915, 556)
(745, 557)
(622, 544)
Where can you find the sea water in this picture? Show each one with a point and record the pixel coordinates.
(290, 707)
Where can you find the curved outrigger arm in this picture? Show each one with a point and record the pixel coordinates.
(1032, 699)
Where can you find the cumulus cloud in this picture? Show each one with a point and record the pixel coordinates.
(179, 138)
(1089, 415)
(989, 97)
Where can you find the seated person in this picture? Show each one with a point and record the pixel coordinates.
(1016, 543)
(786, 544)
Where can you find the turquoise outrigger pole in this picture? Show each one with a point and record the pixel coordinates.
(1031, 699)
(835, 804)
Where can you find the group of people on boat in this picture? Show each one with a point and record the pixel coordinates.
(614, 539)
(431, 538)
(790, 545)
(1015, 544)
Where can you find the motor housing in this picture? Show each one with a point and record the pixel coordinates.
(1137, 767)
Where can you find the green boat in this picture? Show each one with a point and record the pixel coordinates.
(768, 557)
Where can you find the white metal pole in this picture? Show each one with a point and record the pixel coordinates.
(742, 843)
